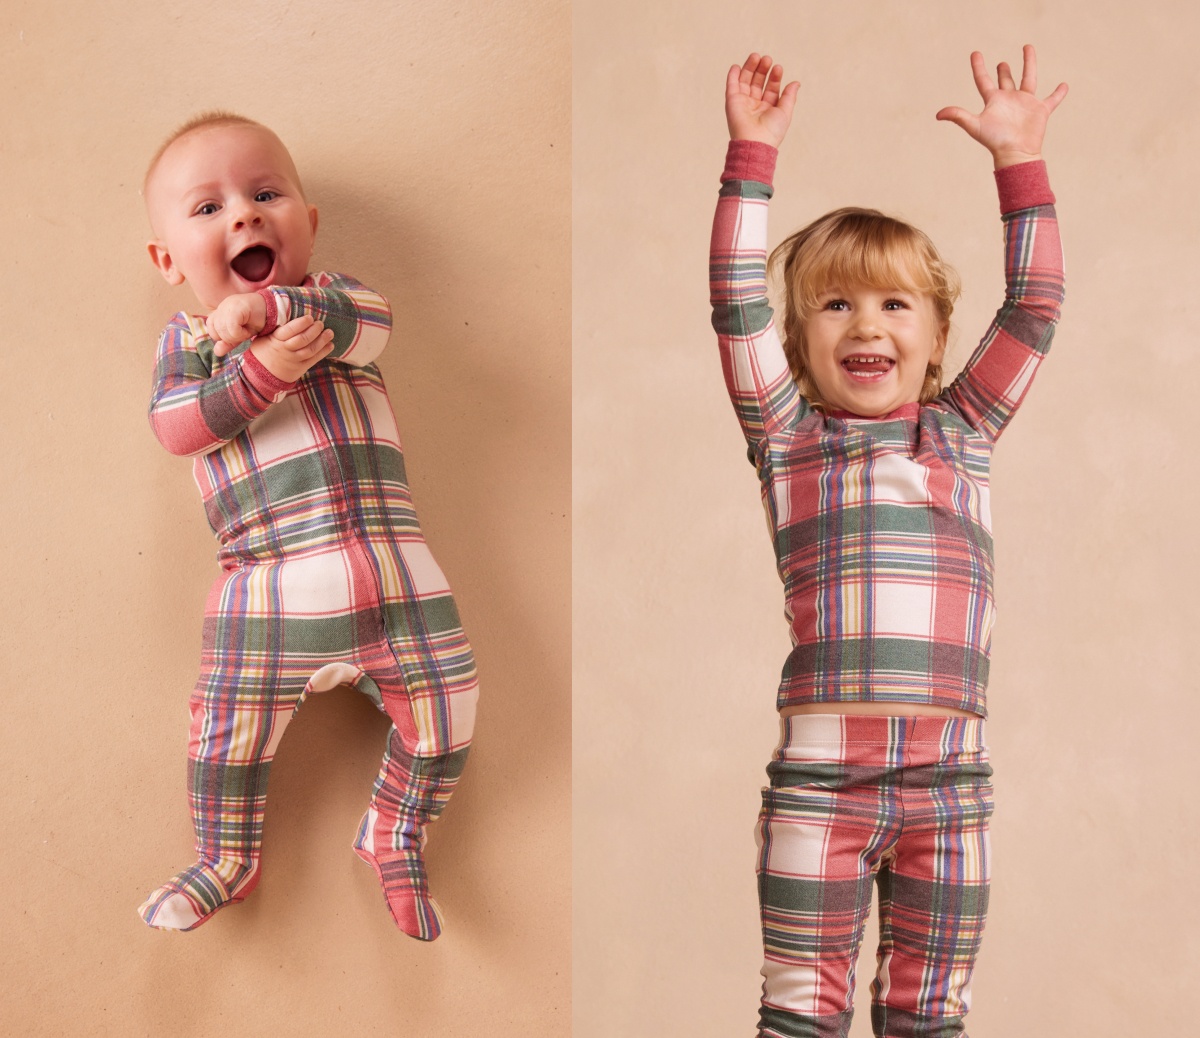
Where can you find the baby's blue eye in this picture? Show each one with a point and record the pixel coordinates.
(265, 196)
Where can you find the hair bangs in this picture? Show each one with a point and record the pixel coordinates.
(878, 253)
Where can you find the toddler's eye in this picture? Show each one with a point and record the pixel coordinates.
(207, 209)
(837, 304)
(895, 304)
(265, 196)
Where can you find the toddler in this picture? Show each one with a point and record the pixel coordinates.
(326, 577)
(875, 484)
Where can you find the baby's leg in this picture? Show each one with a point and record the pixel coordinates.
(933, 897)
(409, 792)
(245, 695)
(234, 734)
(430, 697)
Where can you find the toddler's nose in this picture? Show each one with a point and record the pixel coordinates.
(865, 327)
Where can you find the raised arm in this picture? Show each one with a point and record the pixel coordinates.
(992, 385)
(756, 370)
(1012, 126)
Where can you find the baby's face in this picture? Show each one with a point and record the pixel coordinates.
(226, 206)
(868, 348)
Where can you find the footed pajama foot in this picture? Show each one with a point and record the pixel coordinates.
(195, 894)
(402, 876)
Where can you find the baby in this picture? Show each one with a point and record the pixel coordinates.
(326, 577)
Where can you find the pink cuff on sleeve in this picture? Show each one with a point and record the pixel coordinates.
(272, 312)
(750, 160)
(256, 373)
(1023, 186)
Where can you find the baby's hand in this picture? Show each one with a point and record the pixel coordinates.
(236, 319)
(292, 348)
(1013, 121)
(755, 108)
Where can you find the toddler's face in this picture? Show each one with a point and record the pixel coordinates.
(868, 348)
(229, 213)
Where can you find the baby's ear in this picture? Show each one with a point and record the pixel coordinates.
(161, 259)
(312, 221)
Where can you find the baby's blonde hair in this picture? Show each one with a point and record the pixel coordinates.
(854, 246)
(202, 121)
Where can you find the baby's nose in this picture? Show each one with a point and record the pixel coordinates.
(246, 216)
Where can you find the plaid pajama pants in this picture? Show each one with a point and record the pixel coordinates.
(376, 616)
(903, 801)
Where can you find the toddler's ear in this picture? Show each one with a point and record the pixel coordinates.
(939, 347)
(161, 259)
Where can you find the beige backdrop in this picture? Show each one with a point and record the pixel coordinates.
(679, 636)
(434, 137)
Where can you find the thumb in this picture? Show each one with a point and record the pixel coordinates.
(787, 100)
(960, 117)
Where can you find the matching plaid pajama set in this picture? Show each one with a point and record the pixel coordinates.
(882, 536)
(326, 580)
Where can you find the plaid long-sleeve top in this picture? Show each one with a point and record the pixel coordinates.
(881, 526)
(287, 468)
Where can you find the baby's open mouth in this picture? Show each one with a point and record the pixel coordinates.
(866, 365)
(253, 264)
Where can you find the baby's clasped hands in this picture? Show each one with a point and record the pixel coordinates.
(287, 352)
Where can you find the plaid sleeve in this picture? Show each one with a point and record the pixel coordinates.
(361, 320)
(999, 373)
(194, 410)
(760, 384)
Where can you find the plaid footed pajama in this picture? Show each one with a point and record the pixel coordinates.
(327, 581)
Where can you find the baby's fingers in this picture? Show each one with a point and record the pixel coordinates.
(316, 348)
(293, 327)
(294, 339)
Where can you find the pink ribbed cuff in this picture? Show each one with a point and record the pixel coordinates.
(1023, 186)
(272, 311)
(750, 160)
(260, 377)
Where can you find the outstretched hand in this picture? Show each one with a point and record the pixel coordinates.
(1013, 121)
(755, 107)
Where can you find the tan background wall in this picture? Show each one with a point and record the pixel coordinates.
(434, 137)
(679, 635)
